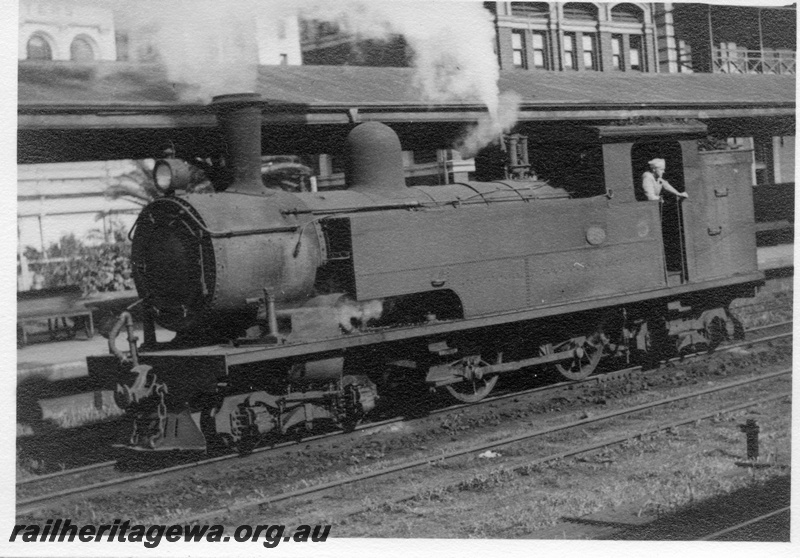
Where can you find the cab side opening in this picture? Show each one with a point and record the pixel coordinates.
(672, 226)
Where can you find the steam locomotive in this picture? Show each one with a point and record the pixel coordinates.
(292, 309)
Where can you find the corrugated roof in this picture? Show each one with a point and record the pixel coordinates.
(115, 110)
(54, 86)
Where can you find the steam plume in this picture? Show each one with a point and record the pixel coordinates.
(453, 53)
(207, 45)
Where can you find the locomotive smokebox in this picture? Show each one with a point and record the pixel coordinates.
(375, 161)
(239, 117)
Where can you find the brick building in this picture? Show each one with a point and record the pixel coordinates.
(575, 36)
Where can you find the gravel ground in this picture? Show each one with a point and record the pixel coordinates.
(482, 498)
(606, 494)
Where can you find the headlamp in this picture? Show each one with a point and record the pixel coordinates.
(171, 174)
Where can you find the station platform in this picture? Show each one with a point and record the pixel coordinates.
(64, 360)
(775, 257)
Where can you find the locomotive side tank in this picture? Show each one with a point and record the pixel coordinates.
(294, 308)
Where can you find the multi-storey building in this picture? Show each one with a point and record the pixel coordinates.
(575, 36)
(645, 37)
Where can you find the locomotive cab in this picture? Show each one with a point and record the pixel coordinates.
(712, 233)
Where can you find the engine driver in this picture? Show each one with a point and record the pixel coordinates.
(653, 182)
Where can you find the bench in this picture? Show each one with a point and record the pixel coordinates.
(56, 305)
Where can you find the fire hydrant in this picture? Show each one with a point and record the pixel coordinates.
(751, 430)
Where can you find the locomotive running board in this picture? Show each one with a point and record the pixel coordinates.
(235, 356)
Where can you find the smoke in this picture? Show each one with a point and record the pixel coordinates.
(208, 46)
(353, 315)
(211, 47)
(452, 46)
(489, 128)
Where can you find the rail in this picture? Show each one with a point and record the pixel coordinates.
(227, 511)
(736, 61)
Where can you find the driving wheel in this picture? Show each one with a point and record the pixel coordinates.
(588, 352)
(475, 386)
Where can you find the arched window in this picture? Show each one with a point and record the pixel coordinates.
(81, 50)
(627, 13)
(39, 48)
(530, 9)
(580, 10)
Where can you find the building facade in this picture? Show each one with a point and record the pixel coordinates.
(733, 39)
(81, 31)
(575, 36)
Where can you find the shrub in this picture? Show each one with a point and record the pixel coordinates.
(101, 268)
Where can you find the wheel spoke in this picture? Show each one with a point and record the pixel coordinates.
(475, 388)
(581, 367)
(472, 391)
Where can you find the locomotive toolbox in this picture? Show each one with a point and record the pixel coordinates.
(293, 308)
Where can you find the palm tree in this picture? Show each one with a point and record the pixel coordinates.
(137, 185)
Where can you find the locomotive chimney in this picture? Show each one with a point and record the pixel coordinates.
(239, 117)
(375, 161)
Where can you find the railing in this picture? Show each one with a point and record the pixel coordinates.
(735, 61)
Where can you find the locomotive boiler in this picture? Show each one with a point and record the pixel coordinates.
(292, 309)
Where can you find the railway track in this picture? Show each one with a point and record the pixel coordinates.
(745, 530)
(40, 492)
(323, 488)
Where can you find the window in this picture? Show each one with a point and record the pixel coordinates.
(580, 10)
(39, 49)
(540, 50)
(518, 49)
(81, 50)
(636, 53)
(616, 52)
(122, 42)
(570, 62)
(627, 13)
(589, 52)
(530, 9)
(685, 57)
(763, 159)
(337, 163)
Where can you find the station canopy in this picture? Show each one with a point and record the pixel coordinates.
(113, 110)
